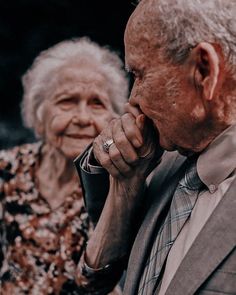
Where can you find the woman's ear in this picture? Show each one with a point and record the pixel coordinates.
(39, 126)
(39, 129)
(208, 60)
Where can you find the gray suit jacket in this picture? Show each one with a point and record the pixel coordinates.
(209, 267)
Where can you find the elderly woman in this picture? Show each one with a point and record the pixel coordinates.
(71, 91)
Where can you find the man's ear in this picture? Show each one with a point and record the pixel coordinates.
(207, 62)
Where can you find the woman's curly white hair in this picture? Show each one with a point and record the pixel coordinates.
(81, 50)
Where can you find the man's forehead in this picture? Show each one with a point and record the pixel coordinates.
(143, 18)
(141, 28)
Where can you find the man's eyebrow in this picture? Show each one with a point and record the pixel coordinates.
(131, 69)
(128, 68)
(135, 2)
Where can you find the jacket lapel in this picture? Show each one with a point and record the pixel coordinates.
(213, 244)
(158, 204)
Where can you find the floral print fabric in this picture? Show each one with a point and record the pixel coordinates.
(39, 247)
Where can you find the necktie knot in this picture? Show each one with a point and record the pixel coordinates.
(191, 179)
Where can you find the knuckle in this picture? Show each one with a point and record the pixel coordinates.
(115, 173)
(128, 120)
(133, 159)
(130, 132)
(95, 142)
(127, 116)
(114, 154)
(129, 173)
(121, 140)
(120, 177)
(105, 162)
(114, 122)
(96, 150)
(126, 170)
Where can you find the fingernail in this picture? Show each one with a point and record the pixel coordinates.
(137, 143)
(140, 121)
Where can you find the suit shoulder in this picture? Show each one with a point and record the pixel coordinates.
(170, 163)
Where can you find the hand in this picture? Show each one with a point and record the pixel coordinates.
(131, 157)
(135, 149)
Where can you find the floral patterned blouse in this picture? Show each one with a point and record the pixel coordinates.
(39, 247)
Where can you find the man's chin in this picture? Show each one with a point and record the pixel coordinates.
(185, 152)
(170, 147)
(180, 150)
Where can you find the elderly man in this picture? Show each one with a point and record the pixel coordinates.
(178, 231)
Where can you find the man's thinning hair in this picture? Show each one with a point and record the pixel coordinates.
(182, 24)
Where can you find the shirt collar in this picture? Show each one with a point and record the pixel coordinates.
(218, 160)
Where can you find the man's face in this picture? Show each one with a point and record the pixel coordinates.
(161, 90)
(77, 108)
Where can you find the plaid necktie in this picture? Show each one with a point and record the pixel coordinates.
(183, 201)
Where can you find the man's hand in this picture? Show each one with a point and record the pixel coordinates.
(132, 156)
(135, 148)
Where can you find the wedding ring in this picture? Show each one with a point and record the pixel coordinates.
(106, 145)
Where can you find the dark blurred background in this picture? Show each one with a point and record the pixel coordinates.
(30, 26)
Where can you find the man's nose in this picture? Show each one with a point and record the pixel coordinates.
(133, 99)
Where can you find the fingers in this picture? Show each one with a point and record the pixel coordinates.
(131, 130)
(102, 157)
(135, 111)
(140, 119)
(132, 143)
(123, 168)
(149, 136)
(119, 155)
(122, 144)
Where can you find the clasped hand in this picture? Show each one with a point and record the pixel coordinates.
(135, 146)
(130, 154)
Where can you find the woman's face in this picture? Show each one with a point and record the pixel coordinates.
(76, 109)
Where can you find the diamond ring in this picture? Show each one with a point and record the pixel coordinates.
(106, 145)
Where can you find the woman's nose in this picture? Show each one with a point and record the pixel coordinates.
(82, 116)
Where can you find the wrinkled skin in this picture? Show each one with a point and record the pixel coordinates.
(76, 110)
(164, 92)
(135, 145)
(171, 107)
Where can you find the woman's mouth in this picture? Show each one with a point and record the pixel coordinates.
(79, 136)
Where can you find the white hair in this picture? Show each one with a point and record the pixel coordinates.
(82, 50)
(182, 24)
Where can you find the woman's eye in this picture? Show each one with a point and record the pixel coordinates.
(97, 103)
(66, 103)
